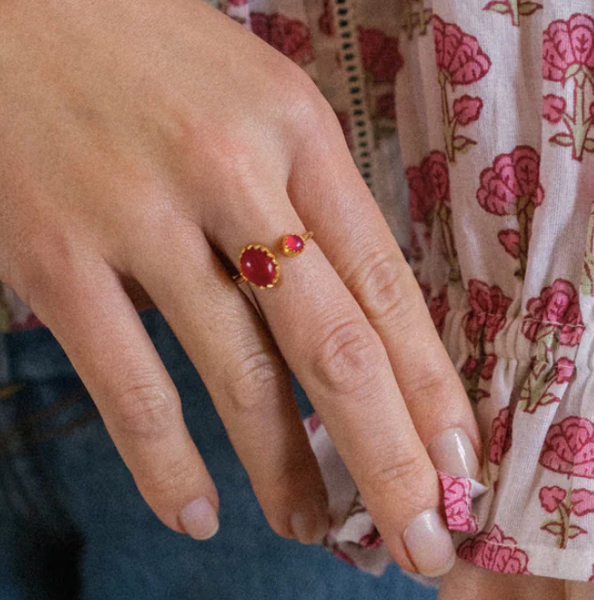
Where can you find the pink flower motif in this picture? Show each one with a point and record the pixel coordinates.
(510, 240)
(553, 108)
(493, 550)
(568, 44)
(569, 448)
(467, 109)
(501, 436)
(435, 168)
(380, 55)
(429, 203)
(326, 20)
(512, 186)
(237, 2)
(557, 305)
(421, 201)
(438, 309)
(564, 370)
(511, 176)
(488, 366)
(428, 185)
(289, 36)
(457, 503)
(472, 365)
(487, 314)
(458, 54)
(582, 502)
(551, 497)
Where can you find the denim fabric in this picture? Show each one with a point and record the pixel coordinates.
(72, 524)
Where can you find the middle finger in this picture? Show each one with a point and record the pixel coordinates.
(343, 366)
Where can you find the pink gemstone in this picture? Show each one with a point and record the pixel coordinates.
(257, 267)
(294, 243)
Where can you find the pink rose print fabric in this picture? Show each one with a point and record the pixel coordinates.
(501, 433)
(553, 320)
(458, 493)
(496, 551)
(381, 61)
(569, 448)
(568, 58)
(461, 62)
(430, 204)
(512, 187)
(563, 505)
(472, 124)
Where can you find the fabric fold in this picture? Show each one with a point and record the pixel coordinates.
(353, 536)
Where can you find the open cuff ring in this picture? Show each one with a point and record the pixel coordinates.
(259, 266)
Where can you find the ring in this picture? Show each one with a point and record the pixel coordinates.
(259, 266)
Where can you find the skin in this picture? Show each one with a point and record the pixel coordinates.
(468, 582)
(141, 142)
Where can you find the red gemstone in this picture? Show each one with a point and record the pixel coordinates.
(257, 267)
(294, 243)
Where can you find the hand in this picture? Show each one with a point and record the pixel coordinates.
(141, 139)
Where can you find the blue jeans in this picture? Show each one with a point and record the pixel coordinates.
(73, 525)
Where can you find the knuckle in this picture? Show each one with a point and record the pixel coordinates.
(253, 382)
(348, 358)
(435, 382)
(381, 285)
(306, 107)
(146, 410)
(395, 477)
(54, 263)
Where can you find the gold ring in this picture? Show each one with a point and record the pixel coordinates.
(259, 266)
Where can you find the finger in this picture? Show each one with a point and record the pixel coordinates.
(247, 378)
(84, 306)
(364, 252)
(343, 366)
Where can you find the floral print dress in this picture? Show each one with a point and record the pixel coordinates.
(472, 122)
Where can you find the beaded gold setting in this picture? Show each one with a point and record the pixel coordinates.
(259, 266)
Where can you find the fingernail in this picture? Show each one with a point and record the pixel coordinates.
(310, 528)
(199, 519)
(429, 544)
(452, 452)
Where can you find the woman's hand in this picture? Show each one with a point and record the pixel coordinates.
(139, 139)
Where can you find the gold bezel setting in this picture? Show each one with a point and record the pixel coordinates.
(286, 250)
(303, 237)
(273, 259)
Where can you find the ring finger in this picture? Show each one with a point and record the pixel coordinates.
(243, 371)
